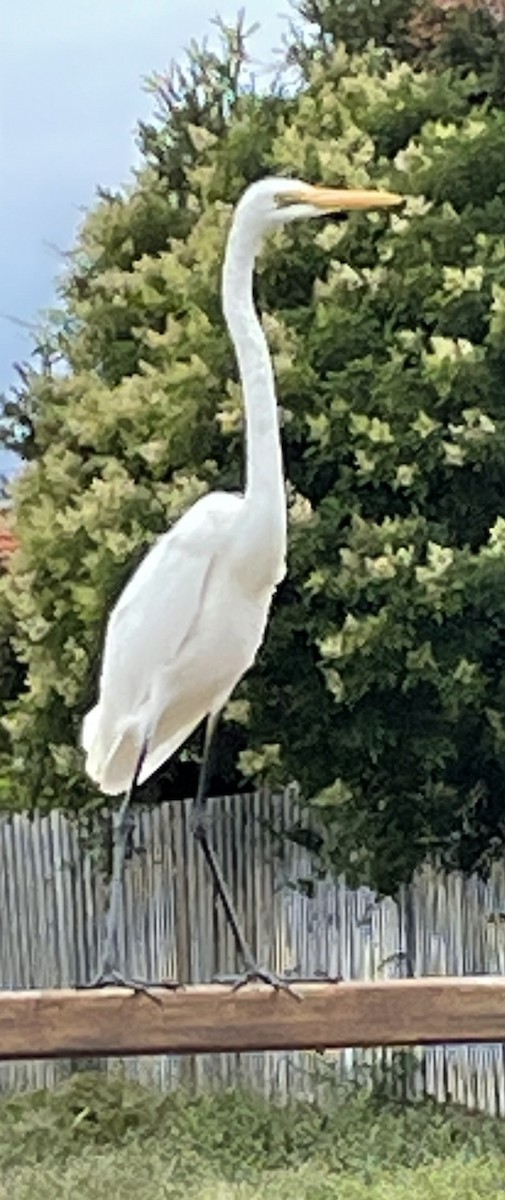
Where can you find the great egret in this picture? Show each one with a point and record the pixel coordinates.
(190, 621)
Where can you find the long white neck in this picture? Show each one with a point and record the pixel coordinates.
(265, 491)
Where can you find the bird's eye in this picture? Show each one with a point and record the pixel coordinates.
(286, 199)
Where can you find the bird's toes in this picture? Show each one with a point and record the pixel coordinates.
(255, 973)
(111, 977)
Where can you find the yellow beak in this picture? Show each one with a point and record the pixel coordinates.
(336, 199)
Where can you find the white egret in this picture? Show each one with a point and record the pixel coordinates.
(190, 621)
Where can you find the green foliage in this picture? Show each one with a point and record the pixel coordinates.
(381, 687)
(468, 37)
(99, 1138)
(238, 1138)
(109, 1175)
(358, 22)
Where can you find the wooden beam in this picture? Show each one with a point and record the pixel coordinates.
(210, 1019)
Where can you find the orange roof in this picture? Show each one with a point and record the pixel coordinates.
(8, 542)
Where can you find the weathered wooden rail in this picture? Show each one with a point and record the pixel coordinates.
(213, 1019)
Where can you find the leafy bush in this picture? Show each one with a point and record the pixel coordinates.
(236, 1134)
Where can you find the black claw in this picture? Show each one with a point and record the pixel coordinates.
(253, 973)
(114, 978)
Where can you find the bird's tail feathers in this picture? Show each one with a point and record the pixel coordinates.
(112, 755)
(110, 763)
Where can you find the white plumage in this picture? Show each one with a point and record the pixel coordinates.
(189, 604)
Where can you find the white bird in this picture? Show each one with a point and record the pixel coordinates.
(189, 623)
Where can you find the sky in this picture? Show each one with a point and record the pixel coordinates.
(71, 94)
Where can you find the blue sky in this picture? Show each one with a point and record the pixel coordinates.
(71, 94)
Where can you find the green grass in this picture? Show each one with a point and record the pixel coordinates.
(144, 1175)
(107, 1140)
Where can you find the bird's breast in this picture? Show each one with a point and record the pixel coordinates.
(225, 640)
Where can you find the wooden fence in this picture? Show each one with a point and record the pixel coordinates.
(52, 899)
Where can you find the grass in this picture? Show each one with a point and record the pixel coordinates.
(145, 1175)
(106, 1139)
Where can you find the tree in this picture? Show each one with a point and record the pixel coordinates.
(381, 687)
(466, 35)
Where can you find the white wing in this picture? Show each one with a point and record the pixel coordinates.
(147, 628)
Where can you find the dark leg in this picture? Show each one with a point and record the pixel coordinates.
(200, 832)
(123, 830)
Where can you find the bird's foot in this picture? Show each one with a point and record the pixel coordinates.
(111, 977)
(254, 972)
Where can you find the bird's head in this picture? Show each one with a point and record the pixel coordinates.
(276, 201)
